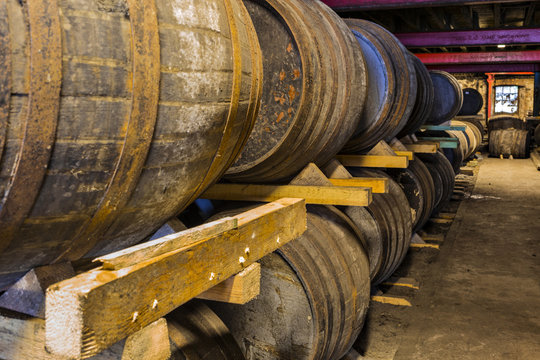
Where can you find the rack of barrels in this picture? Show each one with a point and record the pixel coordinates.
(116, 116)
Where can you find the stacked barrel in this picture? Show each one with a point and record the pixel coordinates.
(117, 115)
(322, 280)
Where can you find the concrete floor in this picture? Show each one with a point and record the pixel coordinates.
(479, 296)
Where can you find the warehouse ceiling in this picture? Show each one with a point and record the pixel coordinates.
(466, 16)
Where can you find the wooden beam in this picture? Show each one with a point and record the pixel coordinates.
(25, 339)
(238, 289)
(489, 57)
(443, 127)
(486, 68)
(91, 311)
(423, 148)
(444, 143)
(377, 185)
(408, 154)
(322, 195)
(377, 161)
(420, 246)
(402, 282)
(356, 5)
(391, 300)
(135, 254)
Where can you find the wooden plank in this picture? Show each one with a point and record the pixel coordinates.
(443, 127)
(377, 161)
(152, 342)
(91, 311)
(423, 148)
(135, 254)
(238, 289)
(466, 170)
(377, 185)
(408, 154)
(441, 220)
(444, 143)
(445, 215)
(322, 195)
(420, 246)
(392, 300)
(435, 237)
(25, 339)
(403, 282)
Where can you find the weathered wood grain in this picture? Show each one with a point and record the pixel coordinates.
(322, 195)
(238, 289)
(377, 185)
(135, 254)
(377, 161)
(93, 310)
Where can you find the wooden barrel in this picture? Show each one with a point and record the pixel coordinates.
(417, 185)
(391, 82)
(393, 215)
(473, 134)
(314, 89)
(510, 141)
(464, 144)
(499, 122)
(477, 123)
(197, 333)
(472, 102)
(423, 105)
(314, 295)
(448, 97)
(443, 177)
(120, 114)
(454, 155)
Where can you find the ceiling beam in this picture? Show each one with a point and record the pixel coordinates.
(496, 15)
(483, 68)
(488, 57)
(352, 5)
(471, 38)
(530, 15)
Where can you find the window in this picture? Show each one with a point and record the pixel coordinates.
(506, 99)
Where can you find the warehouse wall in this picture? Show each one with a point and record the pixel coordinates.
(479, 82)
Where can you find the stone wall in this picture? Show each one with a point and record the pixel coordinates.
(479, 83)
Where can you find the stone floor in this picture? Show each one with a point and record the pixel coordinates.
(479, 296)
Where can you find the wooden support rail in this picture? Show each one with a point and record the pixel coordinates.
(238, 289)
(322, 195)
(444, 143)
(93, 310)
(408, 154)
(443, 127)
(377, 185)
(423, 147)
(376, 161)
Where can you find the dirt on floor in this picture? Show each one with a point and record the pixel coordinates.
(479, 294)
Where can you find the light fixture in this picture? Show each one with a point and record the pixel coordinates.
(501, 46)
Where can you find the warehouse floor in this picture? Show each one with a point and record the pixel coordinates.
(479, 296)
